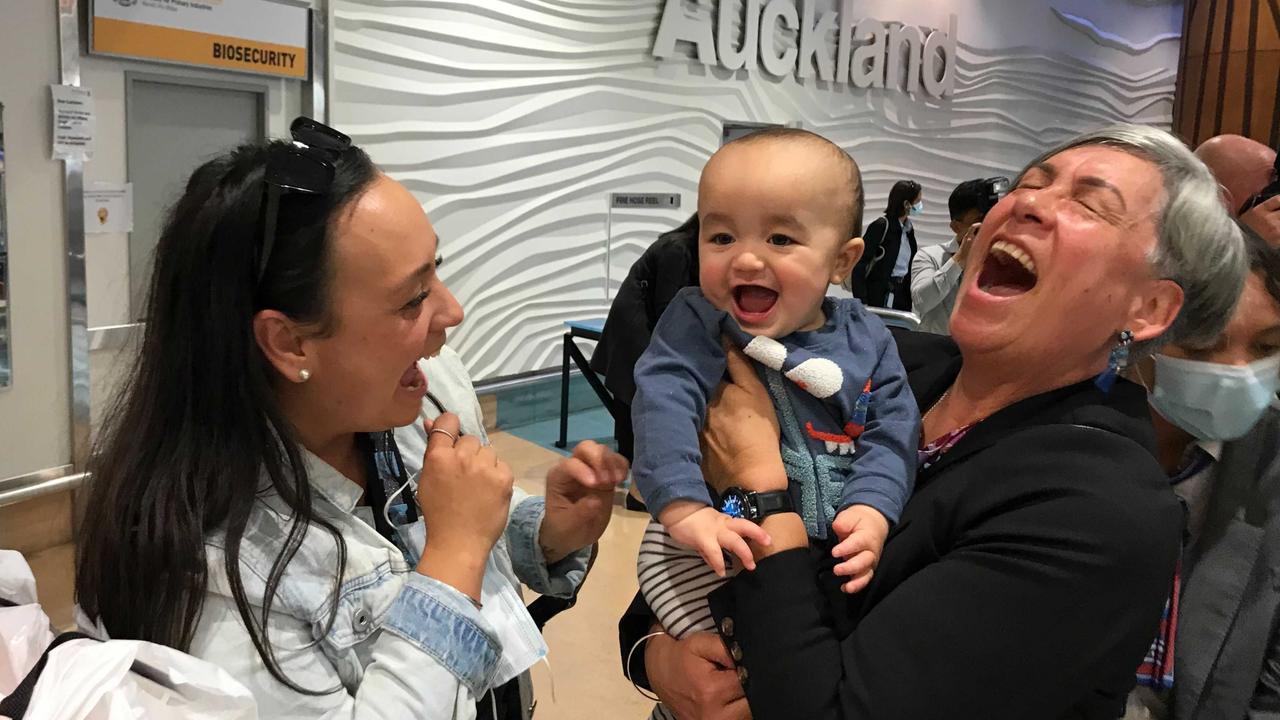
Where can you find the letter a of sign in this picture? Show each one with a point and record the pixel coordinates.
(676, 25)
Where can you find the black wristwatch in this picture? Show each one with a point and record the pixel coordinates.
(755, 506)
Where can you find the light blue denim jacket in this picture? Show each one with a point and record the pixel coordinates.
(401, 644)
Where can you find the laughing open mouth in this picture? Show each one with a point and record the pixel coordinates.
(413, 380)
(753, 300)
(1007, 271)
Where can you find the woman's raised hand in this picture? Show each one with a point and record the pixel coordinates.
(464, 495)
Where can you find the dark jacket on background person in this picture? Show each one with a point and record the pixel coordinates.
(667, 266)
(1025, 578)
(871, 281)
(1227, 652)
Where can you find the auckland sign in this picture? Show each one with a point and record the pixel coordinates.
(833, 45)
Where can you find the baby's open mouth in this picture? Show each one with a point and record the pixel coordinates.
(1007, 271)
(753, 300)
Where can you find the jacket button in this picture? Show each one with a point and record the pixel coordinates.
(742, 675)
(362, 620)
(736, 652)
(726, 627)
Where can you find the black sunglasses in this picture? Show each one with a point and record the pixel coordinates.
(306, 166)
(1267, 193)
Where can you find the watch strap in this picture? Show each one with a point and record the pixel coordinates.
(772, 503)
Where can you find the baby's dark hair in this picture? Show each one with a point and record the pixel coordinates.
(857, 200)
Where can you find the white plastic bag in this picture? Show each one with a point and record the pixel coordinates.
(24, 634)
(91, 680)
(17, 584)
(24, 630)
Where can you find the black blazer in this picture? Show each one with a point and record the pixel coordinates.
(870, 281)
(1025, 579)
(1228, 652)
(667, 266)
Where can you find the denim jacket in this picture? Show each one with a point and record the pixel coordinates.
(401, 644)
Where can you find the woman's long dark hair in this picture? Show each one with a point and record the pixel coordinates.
(196, 425)
(904, 191)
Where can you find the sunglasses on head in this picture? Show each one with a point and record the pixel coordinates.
(305, 166)
(1270, 191)
(1267, 193)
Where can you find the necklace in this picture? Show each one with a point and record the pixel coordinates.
(956, 432)
(941, 399)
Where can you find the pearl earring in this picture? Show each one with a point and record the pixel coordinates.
(304, 375)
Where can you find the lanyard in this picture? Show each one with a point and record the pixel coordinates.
(439, 406)
(388, 477)
(386, 472)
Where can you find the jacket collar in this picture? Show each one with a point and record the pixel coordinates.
(330, 484)
(1123, 411)
(1248, 476)
(1226, 564)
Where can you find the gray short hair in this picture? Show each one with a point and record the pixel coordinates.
(1198, 245)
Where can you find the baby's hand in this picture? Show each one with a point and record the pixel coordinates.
(711, 532)
(862, 531)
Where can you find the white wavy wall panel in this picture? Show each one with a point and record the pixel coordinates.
(512, 121)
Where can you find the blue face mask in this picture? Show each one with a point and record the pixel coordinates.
(918, 208)
(1214, 401)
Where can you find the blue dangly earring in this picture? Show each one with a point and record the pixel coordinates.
(1119, 360)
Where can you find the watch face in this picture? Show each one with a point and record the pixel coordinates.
(734, 503)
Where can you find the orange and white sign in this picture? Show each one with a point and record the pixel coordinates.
(258, 36)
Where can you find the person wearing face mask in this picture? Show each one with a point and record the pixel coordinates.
(1218, 433)
(882, 277)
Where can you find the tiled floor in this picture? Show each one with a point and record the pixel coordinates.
(584, 657)
(595, 424)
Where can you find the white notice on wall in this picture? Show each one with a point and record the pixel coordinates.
(108, 208)
(73, 122)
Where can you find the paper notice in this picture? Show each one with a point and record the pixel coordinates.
(108, 208)
(73, 122)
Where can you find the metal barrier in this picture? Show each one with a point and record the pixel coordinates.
(897, 318)
(45, 482)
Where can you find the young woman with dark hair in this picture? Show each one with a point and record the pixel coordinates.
(883, 277)
(249, 503)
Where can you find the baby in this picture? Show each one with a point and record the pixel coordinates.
(780, 213)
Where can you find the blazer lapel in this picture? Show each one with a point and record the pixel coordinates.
(1031, 412)
(1268, 490)
(1019, 416)
(1222, 563)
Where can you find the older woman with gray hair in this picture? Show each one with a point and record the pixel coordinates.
(1028, 573)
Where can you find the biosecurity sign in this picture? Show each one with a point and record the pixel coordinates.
(788, 37)
(258, 36)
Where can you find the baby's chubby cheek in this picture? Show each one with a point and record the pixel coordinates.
(720, 297)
